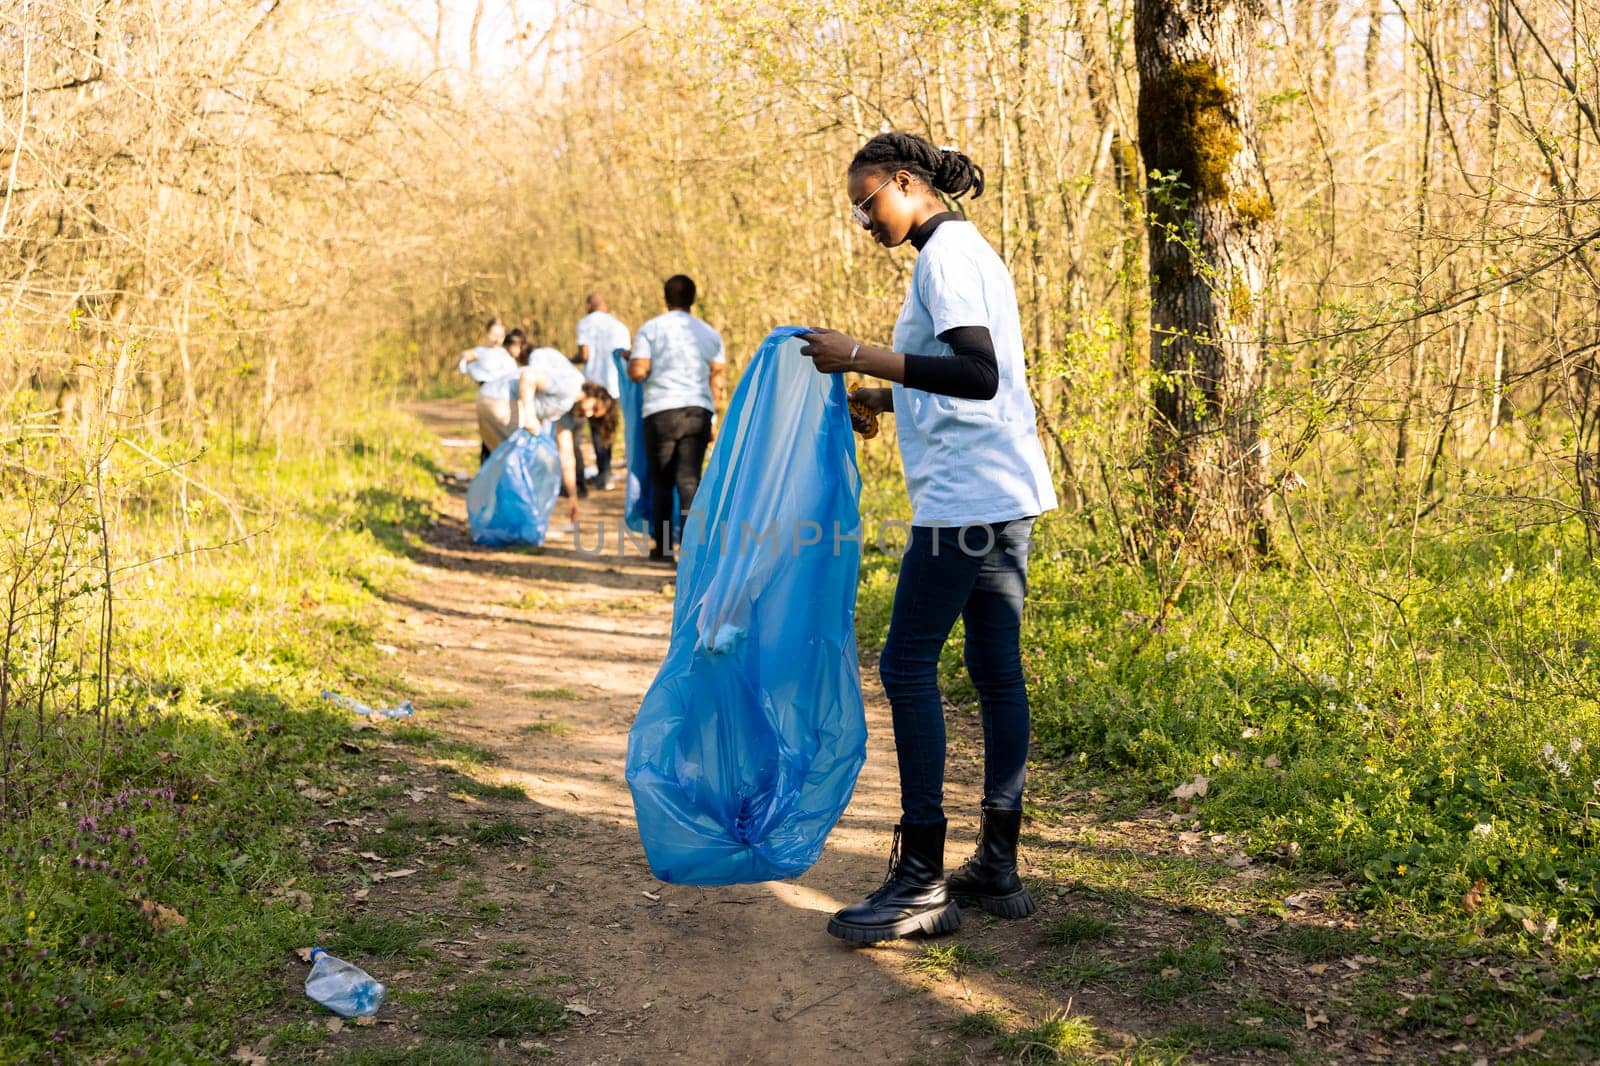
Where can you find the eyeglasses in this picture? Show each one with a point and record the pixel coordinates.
(857, 211)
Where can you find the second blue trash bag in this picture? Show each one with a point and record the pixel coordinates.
(747, 746)
(636, 502)
(511, 498)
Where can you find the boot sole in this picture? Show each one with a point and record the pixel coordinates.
(1016, 905)
(945, 920)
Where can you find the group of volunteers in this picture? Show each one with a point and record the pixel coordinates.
(678, 361)
(974, 469)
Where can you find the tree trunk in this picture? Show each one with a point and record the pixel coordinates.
(1211, 238)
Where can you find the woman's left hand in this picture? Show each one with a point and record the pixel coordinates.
(829, 349)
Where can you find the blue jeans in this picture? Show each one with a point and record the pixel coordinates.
(980, 574)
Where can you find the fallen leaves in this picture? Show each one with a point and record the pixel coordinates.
(581, 1009)
(1192, 789)
(1314, 1019)
(298, 899)
(249, 1056)
(390, 875)
(160, 916)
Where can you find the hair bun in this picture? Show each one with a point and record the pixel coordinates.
(956, 174)
(946, 168)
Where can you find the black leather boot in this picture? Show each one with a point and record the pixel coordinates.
(912, 899)
(989, 879)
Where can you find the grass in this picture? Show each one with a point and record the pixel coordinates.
(1059, 1038)
(493, 790)
(426, 1053)
(981, 1023)
(393, 846)
(1080, 968)
(496, 834)
(1320, 943)
(482, 1010)
(951, 960)
(139, 908)
(1077, 929)
(1410, 716)
(1183, 971)
(377, 936)
(548, 727)
(1218, 1036)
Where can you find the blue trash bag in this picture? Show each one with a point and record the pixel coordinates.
(511, 498)
(637, 502)
(747, 746)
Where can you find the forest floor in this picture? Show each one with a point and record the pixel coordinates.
(496, 882)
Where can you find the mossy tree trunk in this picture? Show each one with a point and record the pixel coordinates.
(1211, 240)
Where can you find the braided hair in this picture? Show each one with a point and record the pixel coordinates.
(947, 170)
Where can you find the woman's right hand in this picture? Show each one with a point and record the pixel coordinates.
(865, 407)
(880, 401)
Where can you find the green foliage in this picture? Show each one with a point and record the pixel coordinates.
(1415, 715)
(951, 960)
(377, 936)
(483, 1010)
(497, 833)
(1076, 929)
(1055, 1039)
(147, 868)
(491, 790)
(981, 1023)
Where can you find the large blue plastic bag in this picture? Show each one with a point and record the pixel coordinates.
(746, 748)
(636, 502)
(514, 493)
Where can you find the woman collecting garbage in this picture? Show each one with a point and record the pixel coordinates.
(490, 362)
(977, 478)
(551, 391)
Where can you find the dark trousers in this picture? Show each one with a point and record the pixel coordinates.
(983, 581)
(676, 443)
(602, 455)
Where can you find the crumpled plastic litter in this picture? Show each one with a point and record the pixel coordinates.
(403, 709)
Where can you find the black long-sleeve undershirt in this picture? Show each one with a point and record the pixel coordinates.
(971, 372)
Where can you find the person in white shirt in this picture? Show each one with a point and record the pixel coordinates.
(599, 334)
(680, 360)
(489, 362)
(551, 393)
(976, 474)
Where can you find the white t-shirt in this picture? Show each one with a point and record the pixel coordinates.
(967, 460)
(490, 364)
(682, 350)
(604, 333)
(563, 384)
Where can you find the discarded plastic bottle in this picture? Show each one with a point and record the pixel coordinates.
(403, 709)
(342, 987)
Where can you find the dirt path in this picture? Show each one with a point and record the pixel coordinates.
(1152, 943)
(542, 659)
